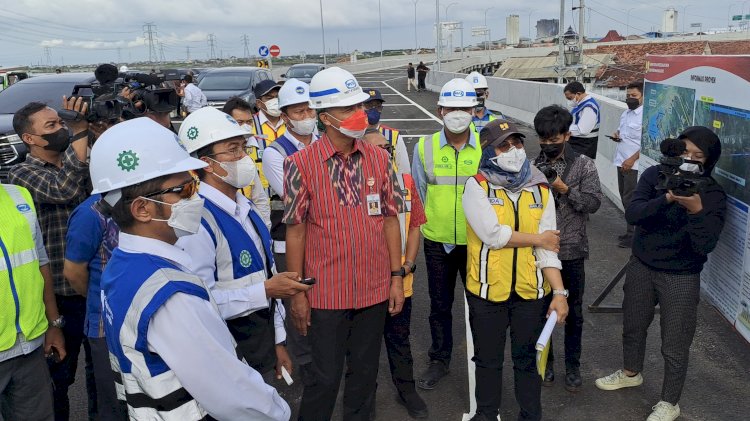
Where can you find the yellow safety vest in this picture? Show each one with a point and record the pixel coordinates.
(447, 171)
(21, 282)
(404, 221)
(493, 274)
(256, 153)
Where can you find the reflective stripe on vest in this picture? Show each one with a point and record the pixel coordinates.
(238, 263)
(134, 287)
(478, 123)
(578, 110)
(256, 153)
(447, 171)
(404, 220)
(284, 146)
(21, 283)
(493, 273)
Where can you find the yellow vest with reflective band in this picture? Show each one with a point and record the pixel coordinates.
(447, 171)
(404, 220)
(391, 135)
(493, 274)
(257, 153)
(21, 283)
(474, 128)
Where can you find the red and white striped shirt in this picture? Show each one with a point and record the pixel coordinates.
(345, 248)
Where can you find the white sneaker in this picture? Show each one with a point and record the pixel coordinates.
(618, 380)
(664, 411)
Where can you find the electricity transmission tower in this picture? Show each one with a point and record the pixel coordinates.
(212, 46)
(246, 44)
(149, 33)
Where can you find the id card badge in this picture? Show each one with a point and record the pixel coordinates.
(373, 204)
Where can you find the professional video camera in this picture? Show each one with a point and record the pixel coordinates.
(683, 177)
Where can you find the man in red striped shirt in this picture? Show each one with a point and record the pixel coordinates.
(341, 209)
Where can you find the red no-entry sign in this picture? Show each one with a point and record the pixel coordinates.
(274, 50)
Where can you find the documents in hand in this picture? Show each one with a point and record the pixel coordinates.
(542, 344)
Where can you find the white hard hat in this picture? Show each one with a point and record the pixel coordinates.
(123, 68)
(477, 79)
(206, 126)
(335, 87)
(294, 91)
(457, 93)
(135, 151)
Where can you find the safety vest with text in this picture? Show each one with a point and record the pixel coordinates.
(493, 273)
(447, 171)
(21, 283)
(256, 152)
(406, 183)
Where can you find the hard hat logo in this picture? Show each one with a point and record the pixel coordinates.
(458, 93)
(192, 132)
(127, 160)
(300, 90)
(245, 259)
(351, 83)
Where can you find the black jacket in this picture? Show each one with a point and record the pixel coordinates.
(667, 238)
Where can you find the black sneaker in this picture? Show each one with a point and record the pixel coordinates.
(573, 380)
(430, 378)
(413, 403)
(480, 416)
(549, 377)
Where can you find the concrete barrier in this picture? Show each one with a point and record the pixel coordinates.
(521, 100)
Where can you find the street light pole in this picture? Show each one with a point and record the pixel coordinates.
(416, 44)
(489, 36)
(627, 23)
(684, 17)
(530, 12)
(438, 35)
(450, 34)
(323, 32)
(380, 29)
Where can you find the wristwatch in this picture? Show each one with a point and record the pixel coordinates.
(58, 322)
(563, 292)
(411, 265)
(400, 272)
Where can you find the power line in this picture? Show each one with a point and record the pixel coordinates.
(53, 24)
(246, 44)
(212, 46)
(161, 52)
(149, 32)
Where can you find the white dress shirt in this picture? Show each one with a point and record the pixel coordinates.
(483, 220)
(631, 122)
(194, 341)
(273, 163)
(586, 123)
(262, 203)
(194, 98)
(232, 303)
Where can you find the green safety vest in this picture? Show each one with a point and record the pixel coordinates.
(21, 283)
(447, 171)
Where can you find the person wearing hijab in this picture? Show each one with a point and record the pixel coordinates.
(675, 231)
(512, 245)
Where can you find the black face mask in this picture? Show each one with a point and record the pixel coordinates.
(57, 141)
(553, 150)
(632, 103)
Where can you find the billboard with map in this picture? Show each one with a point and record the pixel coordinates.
(711, 91)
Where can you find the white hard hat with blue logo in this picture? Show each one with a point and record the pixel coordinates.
(477, 80)
(294, 91)
(335, 87)
(457, 93)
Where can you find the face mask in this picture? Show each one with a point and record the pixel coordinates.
(632, 103)
(691, 166)
(272, 107)
(572, 103)
(511, 161)
(247, 128)
(552, 151)
(353, 126)
(57, 141)
(373, 116)
(304, 127)
(186, 215)
(239, 173)
(457, 121)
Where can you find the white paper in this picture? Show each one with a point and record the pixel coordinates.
(547, 331)
(286, 376)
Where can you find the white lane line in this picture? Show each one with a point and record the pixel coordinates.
(421, 108)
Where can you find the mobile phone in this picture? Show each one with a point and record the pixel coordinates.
(616, 139)
(53, 356)
(308, 281)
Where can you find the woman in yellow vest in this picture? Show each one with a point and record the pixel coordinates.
(512, 267)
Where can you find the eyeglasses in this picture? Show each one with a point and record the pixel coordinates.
(186, 190)
(234, 152)
(507, 144)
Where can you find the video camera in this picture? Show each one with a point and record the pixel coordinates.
(546, 168)
(672, 175)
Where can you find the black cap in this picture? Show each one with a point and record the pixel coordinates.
(265, 86)
(375, 95)
(496, 131)
(707, 141)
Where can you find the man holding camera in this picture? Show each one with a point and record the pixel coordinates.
(675, 231)
(575, 185)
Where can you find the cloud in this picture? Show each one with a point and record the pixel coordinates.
(51, 43)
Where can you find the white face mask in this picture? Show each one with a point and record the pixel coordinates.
(240, 173)
(691, 167)
(572, 103)
(304, 127)
(511, 161)
(186, 215)
(457, 121)
(247, 128)
(272, 107)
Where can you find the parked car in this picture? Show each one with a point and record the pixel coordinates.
(223, 83)
(303, 72)
(48, 89)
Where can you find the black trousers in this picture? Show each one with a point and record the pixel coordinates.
(396, 336)
(442, 269)
(584, 145)
(26, 388)
(108, 406)
(678, 297)
(255, 336)
(420, 81)
(626, 183)
(63, 374)
(338, 336)
(489, 323)
(574, 279)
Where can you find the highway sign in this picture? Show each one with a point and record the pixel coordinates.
(275, 50)
(263, 51)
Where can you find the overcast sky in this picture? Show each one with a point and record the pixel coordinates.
(91, 31)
